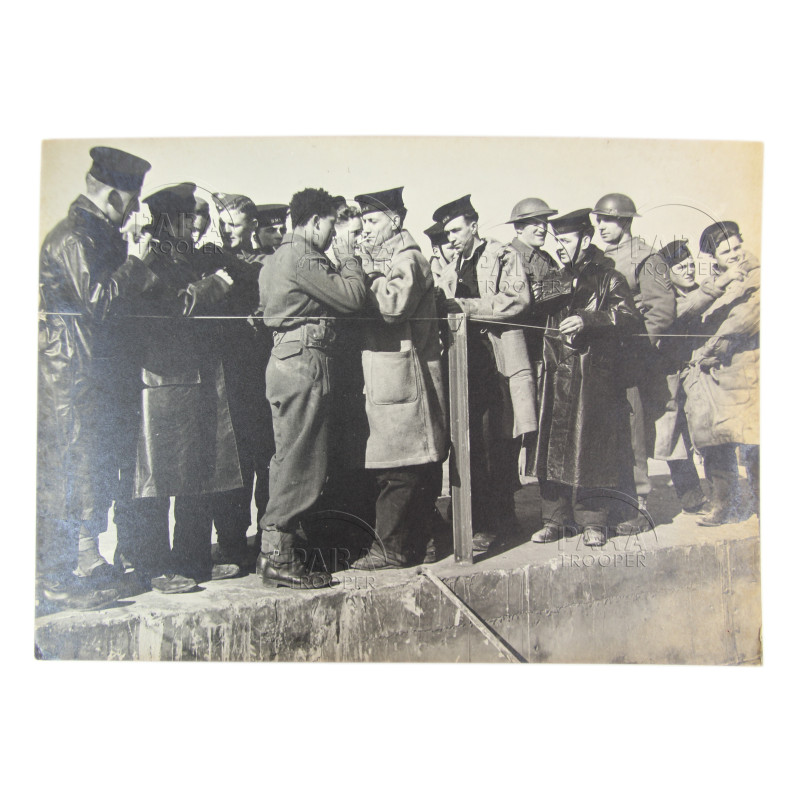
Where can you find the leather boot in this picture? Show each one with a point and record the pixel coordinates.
(722, 511)
(284, 565)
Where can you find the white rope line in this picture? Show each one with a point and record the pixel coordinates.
(375, 319)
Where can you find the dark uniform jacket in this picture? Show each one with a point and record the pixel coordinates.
(583, 409)
(83, 274)
(186, 442)
(244, 344)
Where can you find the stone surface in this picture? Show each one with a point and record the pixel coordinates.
(681, 594)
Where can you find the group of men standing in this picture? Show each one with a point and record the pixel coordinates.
(307, 369)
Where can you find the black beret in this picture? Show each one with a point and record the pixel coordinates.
(172, 200)
(574, 222)
(714, 234)
(456, 208)
(387, 200)
(118, 169)
(271, 214)
(675, 252)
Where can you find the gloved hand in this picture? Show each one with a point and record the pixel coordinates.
(452, 306)
(204, 294)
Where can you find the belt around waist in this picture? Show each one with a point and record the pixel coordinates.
(293, 335)
(309, 334)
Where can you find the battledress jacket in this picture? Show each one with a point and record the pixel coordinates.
(186, 443)
(401, 356)
(83, 275)
(505, 296)
(584, 414)
(647, 274)
(539, 265)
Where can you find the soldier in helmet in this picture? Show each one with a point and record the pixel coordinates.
(529, 218)
(488, 283)
(648, 278)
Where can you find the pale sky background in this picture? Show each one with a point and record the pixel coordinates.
(679, 187)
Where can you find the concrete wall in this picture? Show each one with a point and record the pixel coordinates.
(691, 604)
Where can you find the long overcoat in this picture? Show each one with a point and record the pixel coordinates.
(186, 443)
(83, 275)
(584, 415)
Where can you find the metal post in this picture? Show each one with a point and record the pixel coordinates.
(460, 478)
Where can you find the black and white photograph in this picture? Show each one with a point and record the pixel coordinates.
(385, 399)
(399, 400)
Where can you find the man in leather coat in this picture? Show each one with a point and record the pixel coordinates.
(84, 273)
(183, 445)
(583, 420)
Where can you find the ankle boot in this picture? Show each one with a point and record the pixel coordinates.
(285, 564)
(723, 485)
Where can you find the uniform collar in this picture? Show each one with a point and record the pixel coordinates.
(477, 243)
(297, 240)
(84, 209)
(525, 250)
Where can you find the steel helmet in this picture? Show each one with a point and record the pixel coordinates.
(530, 208)
(615, 205)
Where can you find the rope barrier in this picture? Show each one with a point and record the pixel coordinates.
(375, 319)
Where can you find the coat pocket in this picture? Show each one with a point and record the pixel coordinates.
(286, 350)
(391, 378)
(292, 359)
